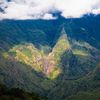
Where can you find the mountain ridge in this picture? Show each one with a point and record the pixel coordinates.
(48, 60)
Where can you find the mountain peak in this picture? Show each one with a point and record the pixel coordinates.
(61, 45)
(64, 38)
(63, 31)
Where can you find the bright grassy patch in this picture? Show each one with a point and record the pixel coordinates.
(79, 52)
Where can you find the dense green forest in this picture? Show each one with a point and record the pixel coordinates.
(50, 60)
(18, 94)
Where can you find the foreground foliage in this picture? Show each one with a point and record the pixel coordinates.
(17, 94)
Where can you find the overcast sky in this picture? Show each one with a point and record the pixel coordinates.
(43, 9)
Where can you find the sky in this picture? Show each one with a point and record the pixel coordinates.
(44, 9)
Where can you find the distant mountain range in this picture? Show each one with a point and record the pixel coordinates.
(58, 59)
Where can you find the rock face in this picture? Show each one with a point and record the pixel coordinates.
(55, 65)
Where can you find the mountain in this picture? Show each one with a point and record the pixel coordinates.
(58, 59)
(18, 94)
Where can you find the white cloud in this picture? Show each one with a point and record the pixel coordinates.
(96, 11)
(48, 16)
(42, 9)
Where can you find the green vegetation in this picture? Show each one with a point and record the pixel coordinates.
(86, 96)
(18, 94)
(59, 67)
(38, 60)
(79, 52)
(61, 46)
